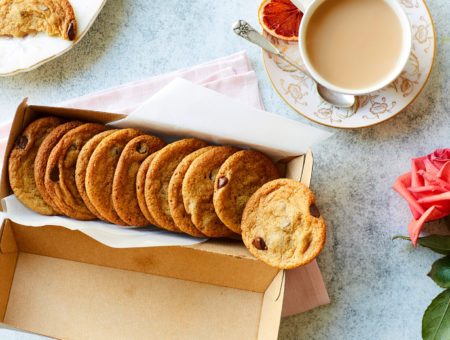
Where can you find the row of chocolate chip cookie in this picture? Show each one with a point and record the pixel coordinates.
(201, 190)
(87, 171)
(81, 170)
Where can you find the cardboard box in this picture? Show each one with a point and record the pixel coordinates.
(63, 284)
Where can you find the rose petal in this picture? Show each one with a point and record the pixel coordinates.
(444, 173)
(436, 198)
(430, 167)
(415, 226)
(443, 206)
(432, 179)
(401, 186)
(427, 189)
(417, 164)
(439, 157)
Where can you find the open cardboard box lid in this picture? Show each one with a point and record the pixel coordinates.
(64, 284)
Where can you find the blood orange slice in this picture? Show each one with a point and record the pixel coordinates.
(280, 18)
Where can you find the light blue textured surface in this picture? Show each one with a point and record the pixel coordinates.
(378, 287)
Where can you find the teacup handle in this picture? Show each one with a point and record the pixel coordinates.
(302, 4)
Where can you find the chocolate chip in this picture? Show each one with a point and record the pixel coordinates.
(141, 147)
(222, 182)
(22, 142)
(314, 211)
(71, 31)
(54, 174)
(114, 150)
(259, 243)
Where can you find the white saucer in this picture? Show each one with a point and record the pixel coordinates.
(299, 93)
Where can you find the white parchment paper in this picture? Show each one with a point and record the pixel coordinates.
(184, 109)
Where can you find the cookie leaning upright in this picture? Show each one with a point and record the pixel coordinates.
(238, 178)
(176, 205)
(198, 191)
(124, 194)
(158, 177)
(40, 163)
(19, 18)
(21, 164)
(60, 171)
(281, 224)
(101, 169)
(140, 187)
(81, 167)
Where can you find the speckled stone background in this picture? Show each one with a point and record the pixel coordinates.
(378, 287)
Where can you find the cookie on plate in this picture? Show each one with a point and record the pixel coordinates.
(124, 183)
(140, 187)
(60, 171)
(238, 178)
(281, 224)
(158, 177)
(40, 163)
(100, 172)
(180, 216)
(21, 164)
(198, 191)
(81, 166)
(18, 18)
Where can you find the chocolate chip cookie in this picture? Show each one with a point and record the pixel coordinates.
(54, 17)
(21, 164)
(140, 188)
(198, 191)
(100, 172)
(238, 178)
(40, 163)
(180, 216)
(281, 224)
(158, 177)
(81, 167)
(60, 171)
(124, 184)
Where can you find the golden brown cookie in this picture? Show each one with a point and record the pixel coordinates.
(40, 163)
(60, 171)
(238, 178)
(81, 166)
(198, 191)
(100, 172)
(180, 216)
(18, 18)
(281, 224)
(21, 164)
(124, 184)
(140, 187)
(158, 177)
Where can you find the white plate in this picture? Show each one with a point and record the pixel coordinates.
(24, 54)
(299, 93)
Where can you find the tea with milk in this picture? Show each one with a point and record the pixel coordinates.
(354, 44)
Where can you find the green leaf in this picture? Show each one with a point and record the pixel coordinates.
(436, 319)
(440, 272)
(437, 243)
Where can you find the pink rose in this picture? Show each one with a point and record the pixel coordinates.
(426, 189)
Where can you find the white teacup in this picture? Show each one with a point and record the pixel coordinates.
(310, 7)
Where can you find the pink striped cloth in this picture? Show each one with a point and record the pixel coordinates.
(234, 77)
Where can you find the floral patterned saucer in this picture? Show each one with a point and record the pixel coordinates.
(298, 91)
